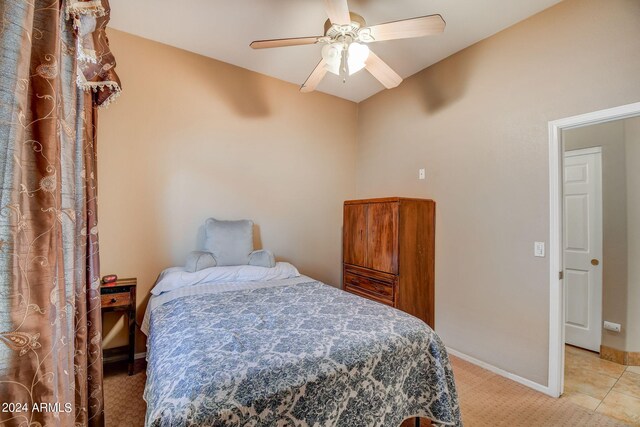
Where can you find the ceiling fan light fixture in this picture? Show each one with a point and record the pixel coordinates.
(332, 55)
(357, 58)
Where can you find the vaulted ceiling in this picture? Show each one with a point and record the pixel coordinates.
(223, 29)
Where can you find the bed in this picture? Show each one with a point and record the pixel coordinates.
(288, 352)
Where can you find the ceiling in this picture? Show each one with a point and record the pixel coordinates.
(223, 29)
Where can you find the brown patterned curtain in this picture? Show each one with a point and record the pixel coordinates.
(55, 69)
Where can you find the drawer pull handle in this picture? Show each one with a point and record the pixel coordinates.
(113, 300)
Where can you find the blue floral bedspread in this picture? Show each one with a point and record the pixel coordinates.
(295, 355)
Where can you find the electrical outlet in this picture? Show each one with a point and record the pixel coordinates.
(422, 174)
(614, 327)
(538, 249)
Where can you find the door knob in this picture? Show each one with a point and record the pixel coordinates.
(595, 262)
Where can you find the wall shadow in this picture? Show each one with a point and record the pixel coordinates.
(445, 84)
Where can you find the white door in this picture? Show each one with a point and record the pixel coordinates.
(583, 247)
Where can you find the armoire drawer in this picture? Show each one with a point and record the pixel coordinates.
(382, 286)
(369, 295)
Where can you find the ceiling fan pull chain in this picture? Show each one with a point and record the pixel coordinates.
(345, 62)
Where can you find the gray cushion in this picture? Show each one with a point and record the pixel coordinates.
(262, 258)
(199, 260)
(230, 242)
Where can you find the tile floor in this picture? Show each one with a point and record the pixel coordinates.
(602, 386)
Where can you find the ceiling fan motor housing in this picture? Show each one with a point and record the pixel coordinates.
(357, 22)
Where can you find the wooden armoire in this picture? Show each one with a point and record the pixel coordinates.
(388, 253)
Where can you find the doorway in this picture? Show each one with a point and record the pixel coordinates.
(577, 275)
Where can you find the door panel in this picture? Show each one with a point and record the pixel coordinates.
(382, 237)
(583, 243)
(355, 234)
(577, 231)
(577, 285)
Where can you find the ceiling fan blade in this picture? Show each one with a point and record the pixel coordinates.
(338, 11)
(298, 41)
(314, 78)
(408, 28)
(381, 71)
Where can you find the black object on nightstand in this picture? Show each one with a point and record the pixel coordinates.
(120, 296)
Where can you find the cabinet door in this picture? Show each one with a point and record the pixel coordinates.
(382, 237)
(355, 234)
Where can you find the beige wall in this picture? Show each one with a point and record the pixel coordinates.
(611, 137)
(632, 135)
(192, 137)
(477, 122)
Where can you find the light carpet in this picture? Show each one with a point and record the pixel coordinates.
(486, 399)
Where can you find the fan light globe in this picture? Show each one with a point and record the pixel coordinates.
(358, 54)
(332, 55)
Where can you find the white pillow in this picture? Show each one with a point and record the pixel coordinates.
(177, 277)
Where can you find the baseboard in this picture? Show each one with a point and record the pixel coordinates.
(525, 382)
(621, 357)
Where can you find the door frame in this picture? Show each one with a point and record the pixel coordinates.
(556, 303)
(599, 199)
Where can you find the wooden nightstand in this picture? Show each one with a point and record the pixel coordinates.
(121, 297)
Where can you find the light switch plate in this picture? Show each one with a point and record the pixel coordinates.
(422, 174)
(538, 249)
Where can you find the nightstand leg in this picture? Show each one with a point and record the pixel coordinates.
(132, 339)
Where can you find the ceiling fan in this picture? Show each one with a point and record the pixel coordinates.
(346, 40)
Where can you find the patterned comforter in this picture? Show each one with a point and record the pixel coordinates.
(295, 353)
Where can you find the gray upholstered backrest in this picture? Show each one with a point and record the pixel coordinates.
(230, 242)
(201, 239)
